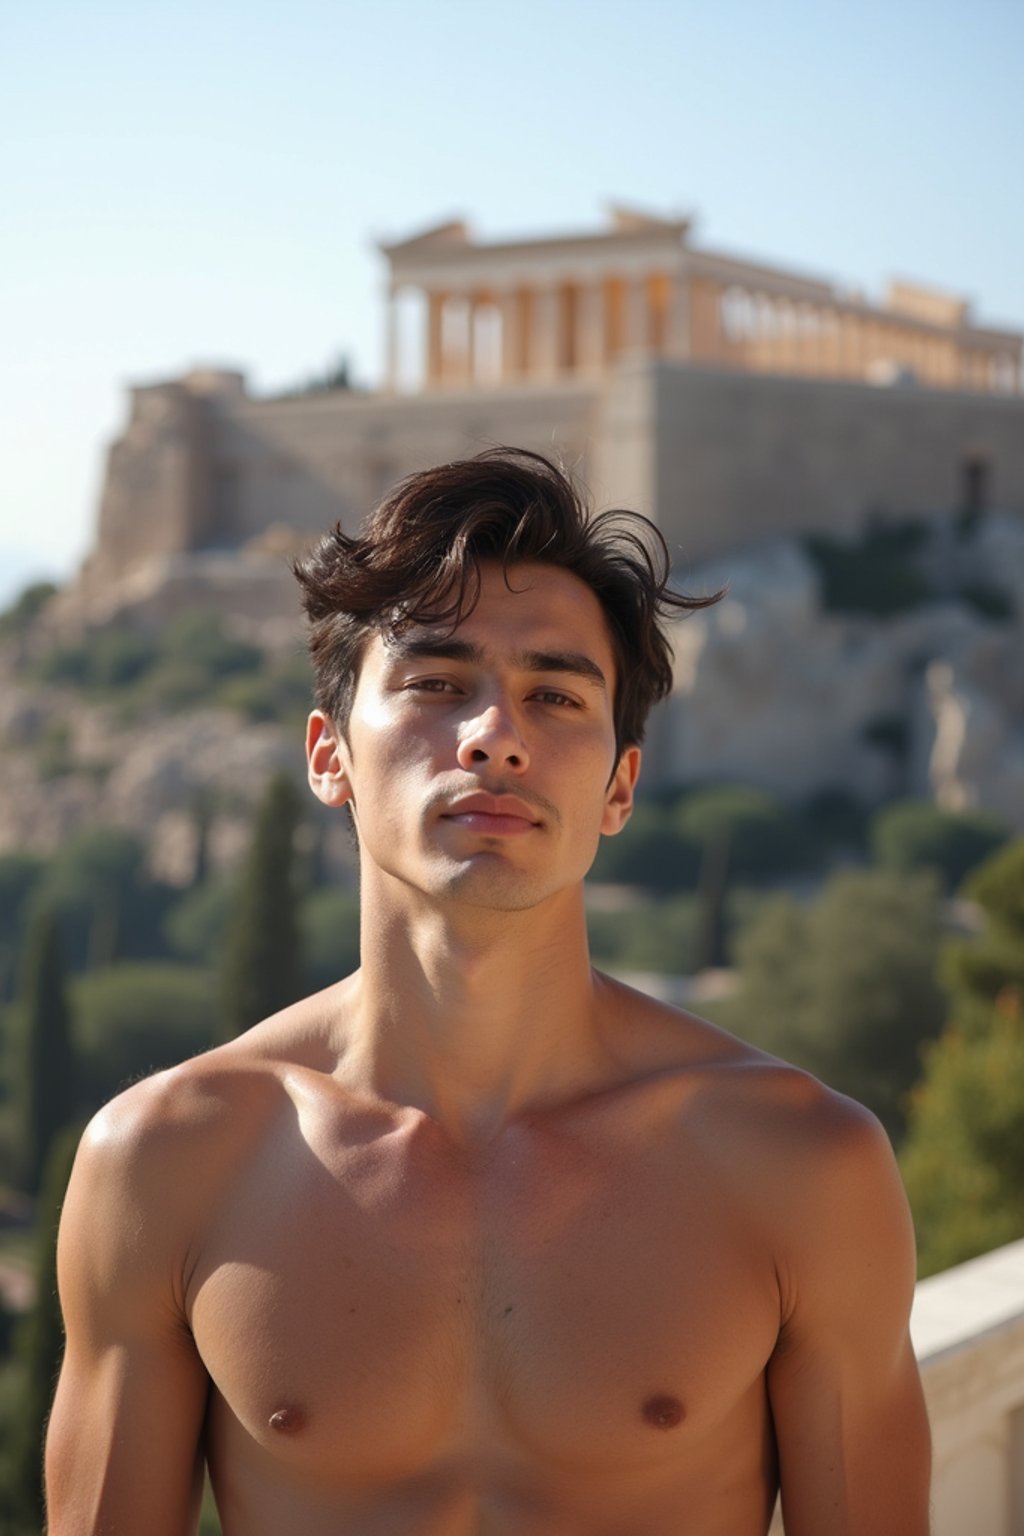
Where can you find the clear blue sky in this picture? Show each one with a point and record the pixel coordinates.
(203, 183)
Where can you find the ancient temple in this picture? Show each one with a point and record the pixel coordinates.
(530, 311)
(729, 399)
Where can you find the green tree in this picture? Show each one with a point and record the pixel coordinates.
(963, 1160)
(108, 905)
(19, 873)
(38, 1347)
(980, 971)
(846, 989)
(649, 852)
(914, 834)
(329, 925)
(755, 836)
(198, 653)
(196, 924)
(22, 612)
(46, 1066)
(649, 936)
(262, 969)
(135, 1018)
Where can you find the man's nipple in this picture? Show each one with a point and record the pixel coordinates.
(663, 1411)
(287, 1420)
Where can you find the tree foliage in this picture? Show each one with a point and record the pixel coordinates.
(758, 837)
(650, 852)
(134, 1018)
(749, 834)
(876, 573)
(329, 923)
(262, 969)
(963, 1160)
(19, 874)
(38, 1347)
(107, 904)
(22, 612)
(846, 989)
(914, 834)
(660, 936)
(45, 1059)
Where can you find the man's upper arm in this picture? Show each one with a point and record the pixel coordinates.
(846, 1397)
(123, 1448)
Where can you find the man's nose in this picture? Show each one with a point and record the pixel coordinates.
(493, 736)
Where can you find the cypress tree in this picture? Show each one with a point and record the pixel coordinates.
(262, 969)
(712, 891)
(202, 819)
(963, 1159)
(38, 1347)
(47, 1058)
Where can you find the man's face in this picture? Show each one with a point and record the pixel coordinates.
(481, 767)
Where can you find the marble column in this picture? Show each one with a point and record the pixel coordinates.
(434, 357)
(679, 318)
(636, 337)
(590, 321)
(470, 362)
(512, 359)
(544, 333)
(392, 361)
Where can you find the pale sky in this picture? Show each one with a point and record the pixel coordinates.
(204, 183)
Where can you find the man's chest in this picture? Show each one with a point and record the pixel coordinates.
(388, 1303)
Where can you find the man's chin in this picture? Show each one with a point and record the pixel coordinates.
(487, 881)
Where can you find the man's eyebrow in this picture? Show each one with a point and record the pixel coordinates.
(409, 647)
(573, 662)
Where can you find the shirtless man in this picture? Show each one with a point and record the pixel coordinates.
(479, 1242)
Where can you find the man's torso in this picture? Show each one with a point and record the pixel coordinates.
(564, 1329)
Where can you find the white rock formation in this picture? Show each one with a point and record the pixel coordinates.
(771, 690)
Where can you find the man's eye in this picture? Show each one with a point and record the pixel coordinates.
(552, 696)
(430, 685)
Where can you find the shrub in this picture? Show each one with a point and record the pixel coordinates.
(989, 601)
(329, 923)
(20, 615)
(847, 988)
(874, 574)
(652, 936)
(650, 851)
(135, 1018)
(106, 903)
(964, 1156)
(914, 834)
(195, 925)
(760, 836)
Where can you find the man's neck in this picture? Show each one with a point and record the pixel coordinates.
(473, 1016)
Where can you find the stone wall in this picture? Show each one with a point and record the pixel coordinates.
(968, 1330)
(729, 458)
(721, 459)
(217, 470)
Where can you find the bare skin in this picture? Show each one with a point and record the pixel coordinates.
(479, 1242)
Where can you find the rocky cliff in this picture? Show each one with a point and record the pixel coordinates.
(780, 685)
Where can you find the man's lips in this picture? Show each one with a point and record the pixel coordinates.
(499, 814)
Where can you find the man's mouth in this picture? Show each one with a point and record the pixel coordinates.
(499, 815)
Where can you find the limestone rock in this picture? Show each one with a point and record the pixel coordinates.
(771, 690)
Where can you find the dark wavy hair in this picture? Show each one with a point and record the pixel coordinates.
(416, 560)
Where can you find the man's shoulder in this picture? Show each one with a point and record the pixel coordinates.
(776, 1123)
(210, 1107)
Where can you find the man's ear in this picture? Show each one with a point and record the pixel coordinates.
(618, 805)
(326, 759)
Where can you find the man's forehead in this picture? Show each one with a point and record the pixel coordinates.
(541, 617)
(532, 595)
